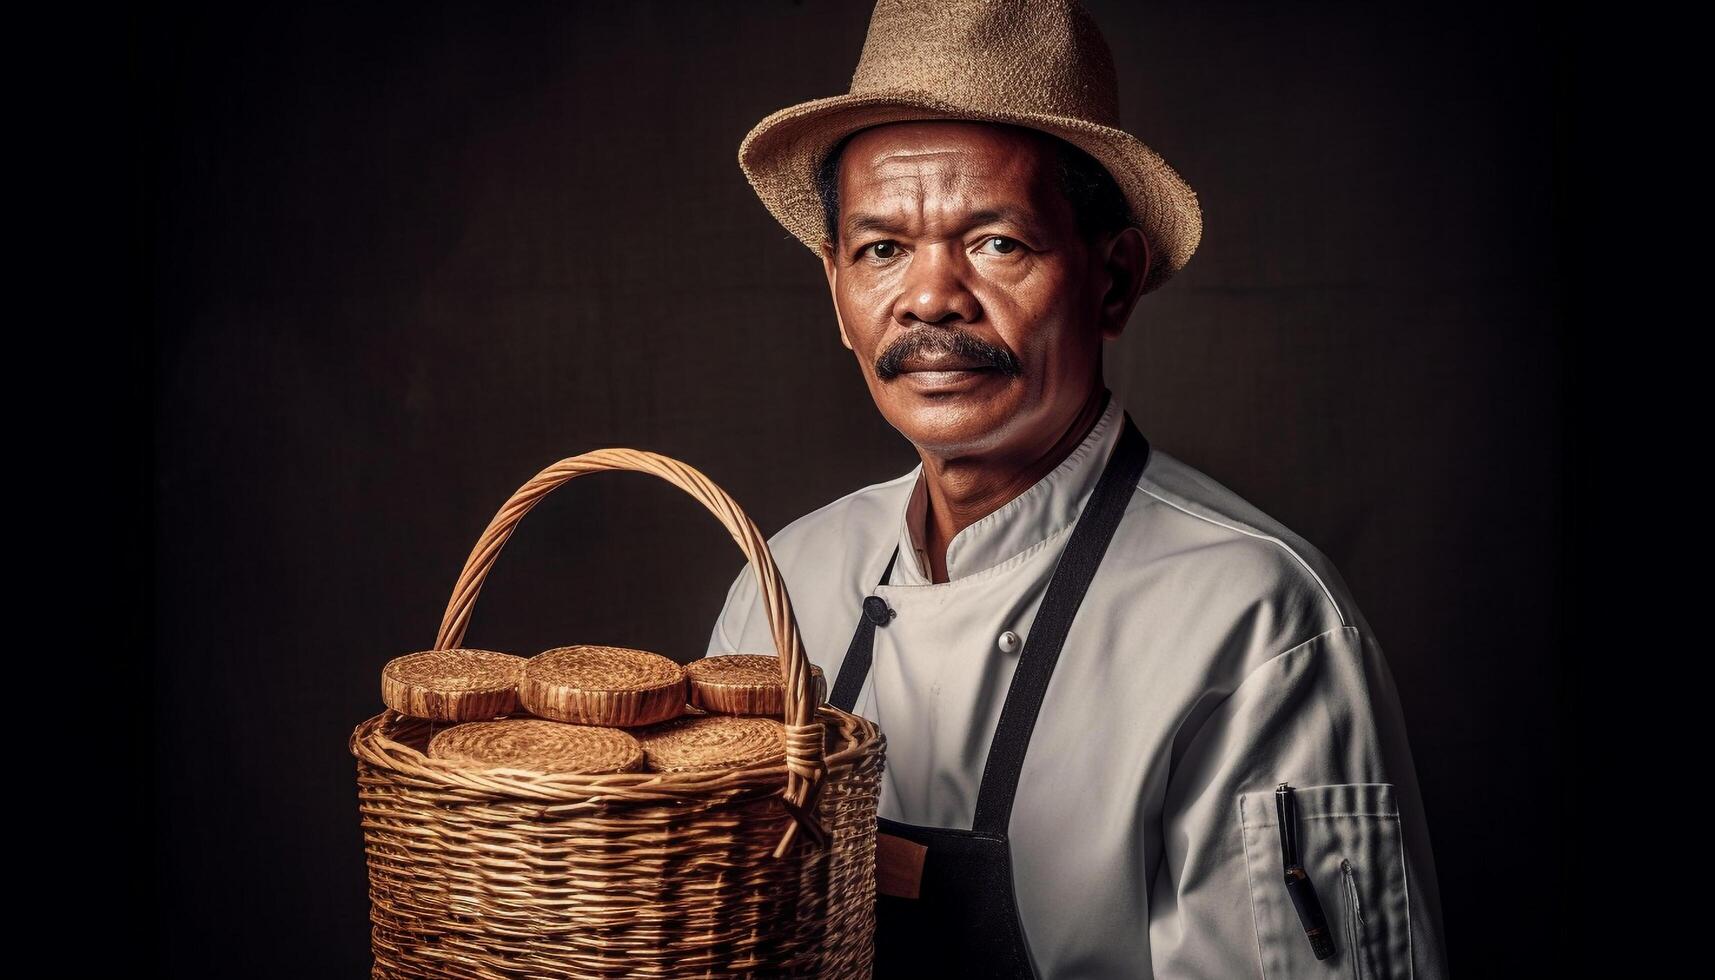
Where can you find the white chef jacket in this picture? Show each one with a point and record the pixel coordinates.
(1215, 655)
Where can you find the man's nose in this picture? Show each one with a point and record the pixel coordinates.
(934, 288)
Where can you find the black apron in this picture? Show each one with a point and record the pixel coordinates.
(964, 920)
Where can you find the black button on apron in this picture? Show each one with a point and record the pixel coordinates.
(964, 922)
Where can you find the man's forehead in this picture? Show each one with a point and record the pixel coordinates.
(975, 164)
(955, 148)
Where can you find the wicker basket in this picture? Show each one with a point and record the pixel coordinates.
(765, 871)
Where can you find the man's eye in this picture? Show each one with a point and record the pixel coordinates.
(882, 250)
(1000, 245)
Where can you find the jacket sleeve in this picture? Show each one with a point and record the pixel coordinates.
(742, 602)
(1325, 718)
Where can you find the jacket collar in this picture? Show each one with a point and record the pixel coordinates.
(1048, 507)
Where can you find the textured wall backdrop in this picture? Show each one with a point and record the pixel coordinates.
(404, 258)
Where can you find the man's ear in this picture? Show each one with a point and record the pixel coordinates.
(833, 273)
(1125, 266)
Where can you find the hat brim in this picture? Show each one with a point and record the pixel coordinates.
(780, 155)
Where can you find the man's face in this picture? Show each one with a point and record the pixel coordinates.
(976, 310)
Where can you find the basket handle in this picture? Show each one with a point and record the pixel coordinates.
(806, 768)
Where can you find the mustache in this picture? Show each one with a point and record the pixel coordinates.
(942, 340)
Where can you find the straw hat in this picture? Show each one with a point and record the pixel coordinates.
(1037, 63)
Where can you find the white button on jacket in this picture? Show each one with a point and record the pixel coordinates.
(1216, 655)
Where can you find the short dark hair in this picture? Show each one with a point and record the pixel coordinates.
(1098, 204)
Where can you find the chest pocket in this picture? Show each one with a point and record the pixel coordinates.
(1350, 842)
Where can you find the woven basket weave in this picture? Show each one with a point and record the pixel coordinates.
(762, 871)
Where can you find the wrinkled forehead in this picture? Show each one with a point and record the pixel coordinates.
(935, 171)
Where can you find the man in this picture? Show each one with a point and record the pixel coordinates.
(1119, 701)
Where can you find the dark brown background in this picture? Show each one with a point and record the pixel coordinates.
(398, 260)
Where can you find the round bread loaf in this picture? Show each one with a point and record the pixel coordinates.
(745, 684)
(602, 685)
(453, 685)
(539, 746)
(707, 742)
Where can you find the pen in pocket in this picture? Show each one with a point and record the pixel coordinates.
(1297, 882)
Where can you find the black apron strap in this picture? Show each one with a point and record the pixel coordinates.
(855, 667)
(1072, 577)
(1066, 588)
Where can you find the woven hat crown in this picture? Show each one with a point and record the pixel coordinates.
(1044, 57)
